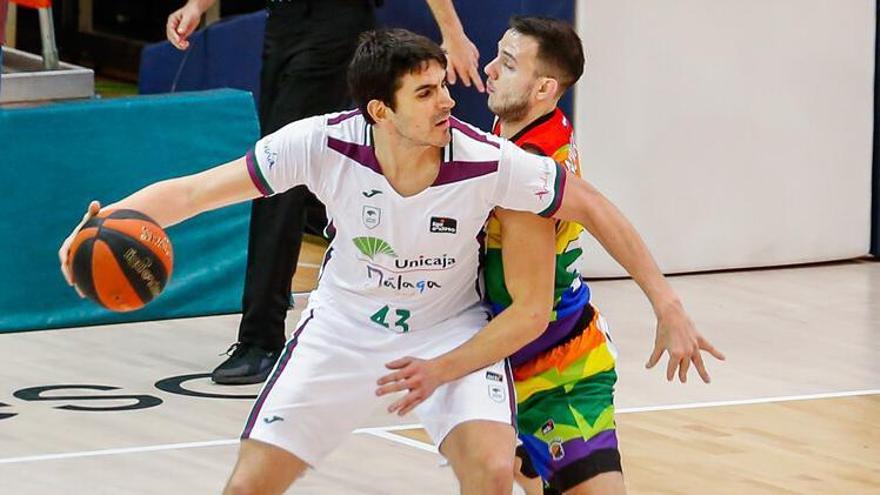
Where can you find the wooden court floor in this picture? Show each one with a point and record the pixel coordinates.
(121, 409)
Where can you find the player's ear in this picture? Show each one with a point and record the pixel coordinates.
(547, 88)
(378, 110)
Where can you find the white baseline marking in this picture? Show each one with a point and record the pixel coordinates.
(383, 432)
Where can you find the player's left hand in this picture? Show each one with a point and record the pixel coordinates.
(680, 339)
(420, 376)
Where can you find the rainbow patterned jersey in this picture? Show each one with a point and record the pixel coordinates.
(553, 136)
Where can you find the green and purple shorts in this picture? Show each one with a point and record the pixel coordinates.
(565, 403)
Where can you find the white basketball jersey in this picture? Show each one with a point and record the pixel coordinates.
(402, 262)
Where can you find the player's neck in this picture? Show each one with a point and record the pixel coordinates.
(510, 128)
(409, 168)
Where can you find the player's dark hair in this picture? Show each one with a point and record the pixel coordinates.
(559, 47)
(381, 60)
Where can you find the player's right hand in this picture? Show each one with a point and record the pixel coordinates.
(463, 60)
(181, 23)
(64, 251)
(683, 343)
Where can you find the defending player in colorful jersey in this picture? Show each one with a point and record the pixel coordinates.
(407, 188)
(565, 378)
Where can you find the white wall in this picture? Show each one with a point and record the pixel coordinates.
(733, 133)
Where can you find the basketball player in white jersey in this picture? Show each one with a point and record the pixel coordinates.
(407, 188)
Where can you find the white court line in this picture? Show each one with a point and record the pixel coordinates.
(413, 426)
(747, 402)
(383, 432)
(130, 450)
(309, 265)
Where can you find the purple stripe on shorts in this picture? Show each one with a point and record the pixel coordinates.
(357, 152)
(342, 117)
(511, 393)
(470, 132)
(285, 358)
(579, 448)
(458, 171)
(555, 332)
(256, 176)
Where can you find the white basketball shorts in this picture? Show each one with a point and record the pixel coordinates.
(324, 383)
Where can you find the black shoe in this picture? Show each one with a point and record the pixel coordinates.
(247, 364)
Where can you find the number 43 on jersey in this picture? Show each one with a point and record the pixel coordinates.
(400, 324)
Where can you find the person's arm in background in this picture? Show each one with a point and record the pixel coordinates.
(676, 333)
(183, 21)
(463, 56)
(4, 8)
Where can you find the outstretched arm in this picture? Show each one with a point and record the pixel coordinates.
(676, 333)
(528, 256)
(172, 201)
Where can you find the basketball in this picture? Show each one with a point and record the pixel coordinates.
(121, 259)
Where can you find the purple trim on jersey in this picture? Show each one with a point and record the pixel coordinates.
(511, 393)
(470, 132)
(285, 358)
(327, 256)
(554, 333)
(558, 192)
(578, 448)
(330, 230)
(343, 117)
(357, 152)
(458, 171)
(256, 175)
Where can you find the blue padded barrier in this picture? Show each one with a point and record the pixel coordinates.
(56, 158)
(226, 54)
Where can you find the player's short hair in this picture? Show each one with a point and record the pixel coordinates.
(380, 61)
(559, 47)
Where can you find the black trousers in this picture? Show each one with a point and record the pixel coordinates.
(306, 50)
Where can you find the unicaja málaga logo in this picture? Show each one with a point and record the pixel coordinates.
(372, 246)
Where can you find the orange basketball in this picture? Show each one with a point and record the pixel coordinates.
(121, 259)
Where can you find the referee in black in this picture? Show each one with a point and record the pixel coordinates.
(306, 51)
